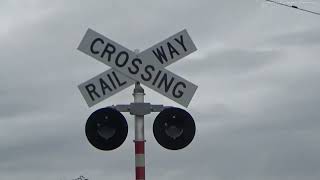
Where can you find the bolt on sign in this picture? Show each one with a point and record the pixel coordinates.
(147, 67)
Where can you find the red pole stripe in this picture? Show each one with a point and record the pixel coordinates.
(139, 147)
(140, 173)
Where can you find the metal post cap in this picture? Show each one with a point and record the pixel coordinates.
(138, 88)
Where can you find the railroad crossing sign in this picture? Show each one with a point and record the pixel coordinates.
(147, 67)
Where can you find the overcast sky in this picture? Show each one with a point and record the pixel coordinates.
(256, 108)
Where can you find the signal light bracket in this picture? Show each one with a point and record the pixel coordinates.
(139, 109)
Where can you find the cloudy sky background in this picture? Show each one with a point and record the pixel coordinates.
(256, 108)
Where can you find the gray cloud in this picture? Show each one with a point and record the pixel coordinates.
(308, 37)
(229, 61)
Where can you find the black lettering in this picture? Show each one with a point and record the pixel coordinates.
(180, 93)
(146, 69)
(93, 43)
(134, 64)
(104, 86)
(172, 50)
(92, 91)
(156, 78)
(160, 55)
(114, 86)
(126, 57)
(117, 79)
(166, 84)
(109, 51)
(181, 42)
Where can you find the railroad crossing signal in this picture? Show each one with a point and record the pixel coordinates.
(106, 128)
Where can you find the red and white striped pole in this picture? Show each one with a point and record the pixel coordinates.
(138, 94)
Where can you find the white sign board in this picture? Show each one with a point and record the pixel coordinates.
(146, 67)
(103, 86)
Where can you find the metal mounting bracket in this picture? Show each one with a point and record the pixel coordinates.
(139, 109)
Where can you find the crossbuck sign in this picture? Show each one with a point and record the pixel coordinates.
(127, 67)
